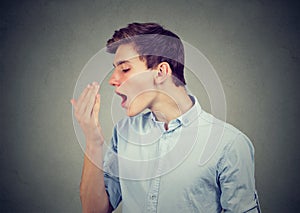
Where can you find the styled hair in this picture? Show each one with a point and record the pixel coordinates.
(154, 44)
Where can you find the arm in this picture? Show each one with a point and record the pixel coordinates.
(92, 188)
(236, 177)
(93, 195)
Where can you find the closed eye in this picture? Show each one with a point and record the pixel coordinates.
(126, 70)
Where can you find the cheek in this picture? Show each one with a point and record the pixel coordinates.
(139, 84)
(142, 87)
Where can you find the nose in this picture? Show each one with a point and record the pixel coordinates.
(114, 79)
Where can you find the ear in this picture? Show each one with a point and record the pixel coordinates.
(163, 72)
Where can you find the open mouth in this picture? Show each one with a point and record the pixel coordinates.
(124, 98)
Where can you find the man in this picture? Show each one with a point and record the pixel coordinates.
(153, 164)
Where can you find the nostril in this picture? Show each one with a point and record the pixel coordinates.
(113, 81)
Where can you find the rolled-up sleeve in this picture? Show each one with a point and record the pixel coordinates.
(236, 177)
(111, 177)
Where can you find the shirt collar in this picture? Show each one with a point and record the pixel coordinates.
(186, 118)
(192, 114)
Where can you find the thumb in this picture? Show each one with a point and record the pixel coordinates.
(72, 101)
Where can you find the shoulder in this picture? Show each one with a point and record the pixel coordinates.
(225, 138)
(229, 132)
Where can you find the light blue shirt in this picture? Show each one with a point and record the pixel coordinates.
(200, 164)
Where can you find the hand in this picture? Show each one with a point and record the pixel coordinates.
(86, 111)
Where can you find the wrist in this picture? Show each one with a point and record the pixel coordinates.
(94, 152)
(93, 144)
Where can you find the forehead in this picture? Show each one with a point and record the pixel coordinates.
(125, 52)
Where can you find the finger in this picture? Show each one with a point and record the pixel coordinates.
(74, 104)
(84, 99)
(92, 99)
(96, 108)
(83, 94)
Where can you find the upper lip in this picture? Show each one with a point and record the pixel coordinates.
(120, 94)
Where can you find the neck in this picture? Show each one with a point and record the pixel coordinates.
(171, 104)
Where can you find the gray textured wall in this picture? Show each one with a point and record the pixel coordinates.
(253, 45)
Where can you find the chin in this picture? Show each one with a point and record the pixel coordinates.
(133, 110)
(132, 113)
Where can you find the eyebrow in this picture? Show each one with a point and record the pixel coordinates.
(121, 62)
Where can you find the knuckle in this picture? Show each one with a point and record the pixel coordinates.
(79, 120)
(85, 121)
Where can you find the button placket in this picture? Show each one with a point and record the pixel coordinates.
(153, 195)
(155, 183)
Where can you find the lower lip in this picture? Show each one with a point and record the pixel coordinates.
(123, 104)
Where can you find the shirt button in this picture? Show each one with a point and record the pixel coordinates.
(153, 197)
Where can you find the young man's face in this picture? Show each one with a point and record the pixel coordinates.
(132, 80)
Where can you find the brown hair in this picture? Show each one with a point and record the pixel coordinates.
(154, 44)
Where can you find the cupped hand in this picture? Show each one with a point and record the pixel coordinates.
(86, 111)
